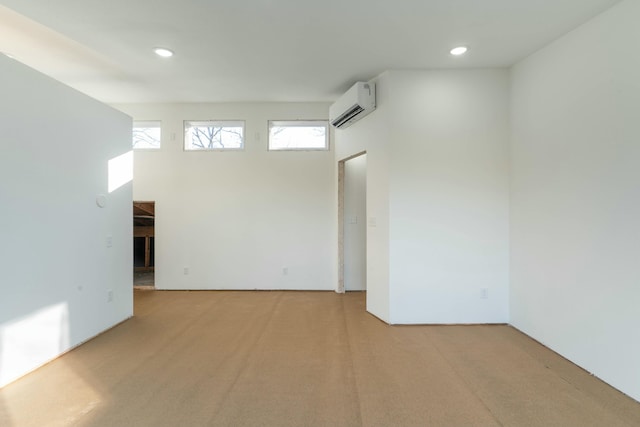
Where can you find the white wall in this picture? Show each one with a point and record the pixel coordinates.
(55, 267)
(575, 213)
(355, 224)
(437, 188)
(237, 219)
(449, 196)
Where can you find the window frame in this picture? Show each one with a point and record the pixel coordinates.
(140, 124)
(300, 123)
(215, 123)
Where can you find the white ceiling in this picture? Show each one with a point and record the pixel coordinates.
(269, 50)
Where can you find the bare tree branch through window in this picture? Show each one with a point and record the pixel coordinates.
(214, 135)
(146, 135)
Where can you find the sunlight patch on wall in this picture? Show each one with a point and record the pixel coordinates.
(120, 171)
(32, 341)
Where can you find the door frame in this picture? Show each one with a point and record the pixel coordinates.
(340, 288)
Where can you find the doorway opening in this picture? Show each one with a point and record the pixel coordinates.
(352, 237)
(144, 215)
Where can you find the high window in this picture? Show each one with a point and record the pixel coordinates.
(214, 135)
(299, 135)
(146, 135)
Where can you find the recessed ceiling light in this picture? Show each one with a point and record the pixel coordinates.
(457, 51)
(163, 52)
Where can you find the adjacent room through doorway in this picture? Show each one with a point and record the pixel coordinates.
(143, 244)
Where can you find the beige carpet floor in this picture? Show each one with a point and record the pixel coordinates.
(247, 358)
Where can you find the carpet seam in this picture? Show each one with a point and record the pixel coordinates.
(464, 381)
(245, 359)
(351, 359)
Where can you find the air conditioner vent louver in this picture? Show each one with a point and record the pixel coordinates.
(347, 115)
(356, 103)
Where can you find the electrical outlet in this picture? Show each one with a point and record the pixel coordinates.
(109, 295)
(484, 293)
(186, 271)
(285, 271)
(109, 240)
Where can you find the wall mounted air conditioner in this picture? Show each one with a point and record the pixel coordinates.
(356, 103)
